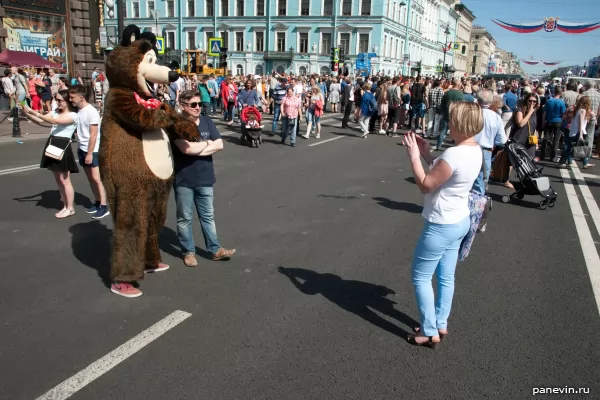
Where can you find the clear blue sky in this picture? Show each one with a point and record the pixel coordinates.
(553, 46)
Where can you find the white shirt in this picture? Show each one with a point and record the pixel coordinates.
(574, 130)
(493, 130)
(181, 84)
(449, 204)
(64, 130)
(87, 116)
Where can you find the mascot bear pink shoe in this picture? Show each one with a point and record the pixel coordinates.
(136, 163)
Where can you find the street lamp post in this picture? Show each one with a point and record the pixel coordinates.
(291, 58)
(447, 32)
(406, 35)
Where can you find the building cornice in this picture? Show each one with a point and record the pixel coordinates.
(461, 8)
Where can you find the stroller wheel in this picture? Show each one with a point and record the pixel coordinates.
(505, 199)
(543, 204)
(552, 203)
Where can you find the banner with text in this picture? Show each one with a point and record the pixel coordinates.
(41, 34)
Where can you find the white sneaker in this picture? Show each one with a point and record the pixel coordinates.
(318, 136)
(381, 132)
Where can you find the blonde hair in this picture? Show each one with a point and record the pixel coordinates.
(317, 89)
(367, 87)
(466, 118)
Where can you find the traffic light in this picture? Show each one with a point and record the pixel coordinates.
(463, 50)
(342, 55)
(223, 58)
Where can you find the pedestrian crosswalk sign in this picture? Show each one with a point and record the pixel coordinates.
(160, 45)
(214, 46)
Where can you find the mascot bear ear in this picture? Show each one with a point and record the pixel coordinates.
(130, 35)
(150, 37)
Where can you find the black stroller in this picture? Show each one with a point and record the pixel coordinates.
(529, 179)
(252, 134)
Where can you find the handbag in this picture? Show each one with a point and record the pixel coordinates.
(582, 150)
(531, 139)
(56, 147)
(500, 167)
(477, 207)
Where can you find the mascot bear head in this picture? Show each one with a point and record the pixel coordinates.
(134, 67)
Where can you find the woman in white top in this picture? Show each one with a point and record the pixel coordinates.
(577, 132)
(64, 123)
(446, 212)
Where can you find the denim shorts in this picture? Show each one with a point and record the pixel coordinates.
(81, 155)
(418, 110)
(310, 117)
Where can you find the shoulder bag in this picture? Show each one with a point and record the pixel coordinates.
(56, 147)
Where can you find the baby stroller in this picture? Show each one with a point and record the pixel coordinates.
(251, 127)
(529, 179)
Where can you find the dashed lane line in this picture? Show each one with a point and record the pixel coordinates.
(18, 169)
(98, 368)
(325, 141)
(590, 253)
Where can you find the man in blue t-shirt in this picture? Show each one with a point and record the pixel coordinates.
(194, 180)
(509, 103)
(553, 113)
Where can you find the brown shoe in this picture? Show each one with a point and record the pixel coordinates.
(223, 254)
(190, 260)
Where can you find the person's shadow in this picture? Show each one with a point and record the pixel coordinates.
(357, 297)
(169, 243)
(50, 199)
(90, 243)
(399, 205)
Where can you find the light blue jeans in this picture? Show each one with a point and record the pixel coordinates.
(436, 252)
(202, 198)
(481, 181)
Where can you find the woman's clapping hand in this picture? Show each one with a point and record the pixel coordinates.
(415, 145)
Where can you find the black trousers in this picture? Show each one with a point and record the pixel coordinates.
(347, 111)
(553, 132)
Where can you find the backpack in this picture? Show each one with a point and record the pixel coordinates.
(372, 104)
(395, 98)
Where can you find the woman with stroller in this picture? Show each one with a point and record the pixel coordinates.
(577, 132)
(248, 96)
(447, 217)
(525, 123)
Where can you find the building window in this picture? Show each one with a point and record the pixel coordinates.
(474, 59)
(327, 7)
(347, 7)
(476, 48)
(383, 51)
(192, 40)
(325, 71)
(280, 70)
(224, 8)
(240, 8)
(363, 43)
(281, 7)
(259, 38)
(170, 40)
(260, 8)
(209, 35)
(136, 9)
(170, 8)
(325, 43)
(210, 8)
(150, 7)
(191, 8)
(302, 71)
(258, 70)
(365, 7)
(345, 42)
(239, 69)
(225, 38)
(281, 41)
(239, 41)
(304, 7)
(303, 42)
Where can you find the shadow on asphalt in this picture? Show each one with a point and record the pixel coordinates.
(50, 199)
(169, 243)
(398, 205)
(235, 139)
(90, 243)
(521, 203)
(359, 298)
(338, 197)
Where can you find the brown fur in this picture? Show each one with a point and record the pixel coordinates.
(137, 197)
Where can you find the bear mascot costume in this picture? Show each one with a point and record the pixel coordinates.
(136, 164)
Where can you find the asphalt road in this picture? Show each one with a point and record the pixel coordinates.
(318, 299)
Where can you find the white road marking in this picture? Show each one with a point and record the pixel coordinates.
(18, 169)
(590, 254)
(98, 368)
(325, 141)
(587, 196)
(592, 176)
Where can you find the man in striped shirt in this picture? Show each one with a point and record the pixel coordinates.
(277, 94)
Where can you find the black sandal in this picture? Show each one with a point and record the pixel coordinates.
(430, 343)
(417, 329)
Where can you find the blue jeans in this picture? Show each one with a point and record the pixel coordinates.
(213, 104)
(436, 252)
(289, 129)
(480, 182)
(276, 113)
(443, 132)
(571, 142)
(202, 198)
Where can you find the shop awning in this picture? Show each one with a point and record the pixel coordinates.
(25, 59)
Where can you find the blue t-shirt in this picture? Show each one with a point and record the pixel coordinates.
(195, 171)
(510, 100)
(554, 109)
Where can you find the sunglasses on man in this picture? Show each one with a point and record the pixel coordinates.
(192, 105)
